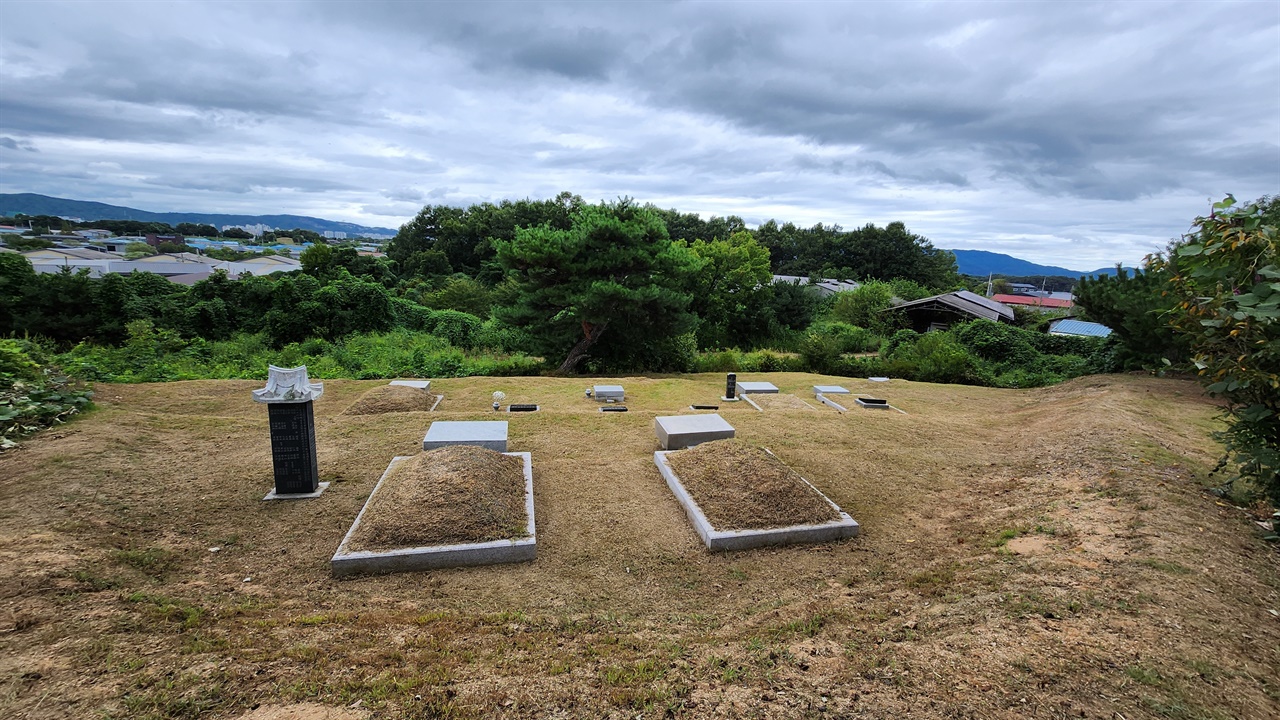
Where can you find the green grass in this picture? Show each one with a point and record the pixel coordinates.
(168, 609)
(156, 562)
(1168, 566)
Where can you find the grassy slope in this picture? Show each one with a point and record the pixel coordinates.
(1041, 553)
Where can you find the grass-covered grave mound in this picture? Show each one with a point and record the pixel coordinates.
(391, 398)
(449, 496)
(741, 487)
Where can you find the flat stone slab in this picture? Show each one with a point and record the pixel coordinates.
(873, 403)
(878, 379)
(682, 431)
(829, 390)
(420, 384)
(608, 392)
(273, 495)
(491, 434)
(842, 527)
(745, 388)
(345, 562)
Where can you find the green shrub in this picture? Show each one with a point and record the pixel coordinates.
(897, 339)
(409, 314)
(821, 353)
(496, 336)
(850, 338)
(459, 328)
(16, 363)
(997, 342)
(33, 397)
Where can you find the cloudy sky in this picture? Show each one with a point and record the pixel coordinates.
(1075, 134)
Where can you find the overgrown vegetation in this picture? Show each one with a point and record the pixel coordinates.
(33, 395)
(1225, 286)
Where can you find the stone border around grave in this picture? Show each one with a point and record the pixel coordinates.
(433, 557)
(714, 539)
(829, 402)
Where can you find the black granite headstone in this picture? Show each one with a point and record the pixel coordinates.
(293, 447)
(730, 385)
(522, 408)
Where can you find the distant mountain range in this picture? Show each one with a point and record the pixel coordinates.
(982, 263)
(32, 204)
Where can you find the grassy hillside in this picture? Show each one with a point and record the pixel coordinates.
(1025, 553)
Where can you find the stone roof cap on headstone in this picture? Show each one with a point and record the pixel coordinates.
(288, 385)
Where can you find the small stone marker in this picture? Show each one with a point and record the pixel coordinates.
(829, 390)
(878, 379)
(424, 385)
(289, 396)
(491, 434)
(757, 387)
(876, 403)
(682, 431)
(730, 388)
(614, 408)
(516, 407)
(609, 392)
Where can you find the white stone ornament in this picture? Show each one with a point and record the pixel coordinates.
(288, 385)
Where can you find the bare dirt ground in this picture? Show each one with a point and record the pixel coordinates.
(1045, 554)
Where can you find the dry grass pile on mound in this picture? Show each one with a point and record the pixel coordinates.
(741, 487)
(780, 401)
(456, 494)
(391, 398)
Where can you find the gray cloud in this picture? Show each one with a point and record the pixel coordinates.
(1074, 133)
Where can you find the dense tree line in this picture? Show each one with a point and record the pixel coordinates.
(610, 285)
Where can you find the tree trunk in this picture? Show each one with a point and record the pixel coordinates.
(590, 334)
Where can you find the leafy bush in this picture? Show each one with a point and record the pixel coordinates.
(821, 353)
(33, 397)
(997, 342)
(897, 339)
(409, 314)
(850, 338)
(496, 336)
(939, 358)
(459, 328)
(862, 307)
(15, 363)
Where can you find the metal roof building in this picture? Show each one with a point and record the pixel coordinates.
(940, 311)
(1071, 326)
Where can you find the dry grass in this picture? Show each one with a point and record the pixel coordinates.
(781, 401)
(458, 494)
(1044, 553)
(739, 486)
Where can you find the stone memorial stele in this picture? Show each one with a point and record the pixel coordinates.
(290, 396)
(730, 388)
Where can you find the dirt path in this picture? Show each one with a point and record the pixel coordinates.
(1044, 553)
